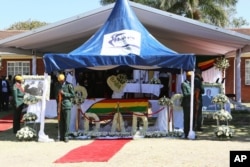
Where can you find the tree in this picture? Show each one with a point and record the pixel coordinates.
(26, 25)
(214, 12)
(235, 22)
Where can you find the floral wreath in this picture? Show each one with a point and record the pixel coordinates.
(30, 99)
(80, 94)
(117, 83)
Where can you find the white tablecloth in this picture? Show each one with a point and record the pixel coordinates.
(143, 88)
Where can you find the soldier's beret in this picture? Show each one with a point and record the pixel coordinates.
(60, 77)
(18, 78)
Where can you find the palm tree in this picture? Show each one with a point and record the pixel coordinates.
(208, 11)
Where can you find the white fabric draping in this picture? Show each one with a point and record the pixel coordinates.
(162, 120)
(179, 80)
(36, 109)
(143, 88)
(211, 75)
(71, 79)
(51, 109)
(73, 118)
(140, 76)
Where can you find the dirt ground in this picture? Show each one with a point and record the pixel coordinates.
(205, 151)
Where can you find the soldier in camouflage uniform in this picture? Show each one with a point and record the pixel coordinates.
(18, 94)
(67, 93)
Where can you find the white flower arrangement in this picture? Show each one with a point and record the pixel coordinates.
(164, 101)
(30, 99)
(222, 115)
(159, 134)
(224, 131)
(26, 134)
(155, 81)
(94, 134)
(29, 116)
(221, 63)
(220, 99)
(80, 95)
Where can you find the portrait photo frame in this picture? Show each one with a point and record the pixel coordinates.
(34, 84)
(210, 91)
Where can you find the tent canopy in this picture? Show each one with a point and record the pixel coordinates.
(121, 41)
(179, 33)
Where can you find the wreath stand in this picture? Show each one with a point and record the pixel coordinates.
(42, 137)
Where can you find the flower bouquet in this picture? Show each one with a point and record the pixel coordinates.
(29, 116)
(30, 99)
(222, 115)
(220, 99)
(221, 63)
(26, 134)
(224, 131)
(164, 101)
(155, 81)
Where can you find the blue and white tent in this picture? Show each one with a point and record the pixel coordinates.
(121, 41)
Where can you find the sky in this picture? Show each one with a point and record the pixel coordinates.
(49, 11)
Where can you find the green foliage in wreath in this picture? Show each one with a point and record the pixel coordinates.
(122, 78)
(30, 99)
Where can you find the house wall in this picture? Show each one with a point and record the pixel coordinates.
(230, 80)
(40, 66)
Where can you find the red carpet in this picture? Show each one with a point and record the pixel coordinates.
(97, 151)
(6, 123)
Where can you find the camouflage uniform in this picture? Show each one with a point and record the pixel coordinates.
(18, 94)
(67, 96)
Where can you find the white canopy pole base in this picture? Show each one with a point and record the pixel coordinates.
(44, 138)
(191, 135)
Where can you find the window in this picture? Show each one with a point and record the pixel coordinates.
(18, 67)
(247, 72)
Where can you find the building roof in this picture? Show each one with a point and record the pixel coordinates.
(176, 32)
(9, 33)
(242, 30)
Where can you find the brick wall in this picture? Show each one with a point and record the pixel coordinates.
(39, 69)
(245, 89)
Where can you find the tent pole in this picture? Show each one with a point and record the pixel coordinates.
(191, 134)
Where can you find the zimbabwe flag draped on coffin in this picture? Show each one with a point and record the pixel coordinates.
(122, 105)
